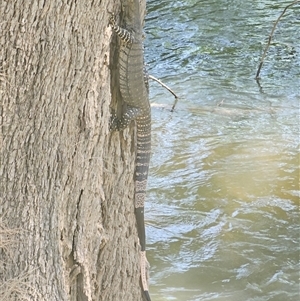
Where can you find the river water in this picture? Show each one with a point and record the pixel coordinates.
(223, 195)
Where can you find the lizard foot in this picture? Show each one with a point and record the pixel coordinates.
(112, 19)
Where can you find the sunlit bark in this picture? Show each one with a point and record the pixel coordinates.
(66, 183)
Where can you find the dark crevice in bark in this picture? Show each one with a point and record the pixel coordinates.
(76, 273)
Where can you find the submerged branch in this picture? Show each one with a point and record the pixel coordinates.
(270, 38)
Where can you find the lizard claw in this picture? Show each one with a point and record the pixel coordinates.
(112, 19)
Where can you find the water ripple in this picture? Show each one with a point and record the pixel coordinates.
(223, 193)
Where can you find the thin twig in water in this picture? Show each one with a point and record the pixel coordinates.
(166, 87)
(270, 38)
(220, 103)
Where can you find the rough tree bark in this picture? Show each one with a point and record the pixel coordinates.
(66, 182)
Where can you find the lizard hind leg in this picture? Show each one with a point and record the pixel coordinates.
(117, 124)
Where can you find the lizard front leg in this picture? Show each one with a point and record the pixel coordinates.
(125, 35)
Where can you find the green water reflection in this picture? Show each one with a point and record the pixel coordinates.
(223, 199)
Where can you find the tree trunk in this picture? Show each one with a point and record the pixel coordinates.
(66, 182)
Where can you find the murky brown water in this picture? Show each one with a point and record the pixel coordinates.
(223, 200)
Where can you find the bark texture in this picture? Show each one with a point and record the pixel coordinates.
(66, 182)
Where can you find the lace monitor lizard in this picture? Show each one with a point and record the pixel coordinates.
(134, 91)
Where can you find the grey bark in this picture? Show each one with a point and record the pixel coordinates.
(66, 182)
